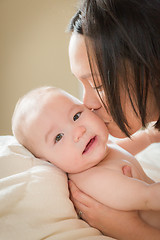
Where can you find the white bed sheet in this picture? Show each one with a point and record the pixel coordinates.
(34, 199)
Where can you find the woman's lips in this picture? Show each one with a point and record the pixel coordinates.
(106, 123)
(89, 145)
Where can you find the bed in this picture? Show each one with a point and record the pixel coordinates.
(34, 196)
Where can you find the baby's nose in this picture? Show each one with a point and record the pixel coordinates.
(78, 133)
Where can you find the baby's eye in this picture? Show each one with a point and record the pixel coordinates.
(59, 137)
(76, 116)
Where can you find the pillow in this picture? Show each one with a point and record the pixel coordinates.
(150, 161)
(34, 199)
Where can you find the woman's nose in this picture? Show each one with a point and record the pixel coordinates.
(78, 133)
(91, 100)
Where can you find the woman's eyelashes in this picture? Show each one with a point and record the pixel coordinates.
(59, 137)
(100, 87)
(76, 116)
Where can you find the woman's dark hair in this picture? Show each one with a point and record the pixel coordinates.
(123, 39)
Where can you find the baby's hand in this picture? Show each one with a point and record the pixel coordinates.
(153, 134)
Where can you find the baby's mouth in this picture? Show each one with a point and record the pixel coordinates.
(89, 144)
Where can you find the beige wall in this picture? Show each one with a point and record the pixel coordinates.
(34, 50)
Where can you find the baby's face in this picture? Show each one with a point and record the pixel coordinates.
(68, 134)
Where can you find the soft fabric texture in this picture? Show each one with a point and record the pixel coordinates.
(34, 199)
(34, 196)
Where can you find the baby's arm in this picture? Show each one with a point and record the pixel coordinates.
(117, 224)
(140, 140)
(117, 191)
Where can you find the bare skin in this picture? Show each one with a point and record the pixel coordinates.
(86, 204)
(109, 171)
(107, 220)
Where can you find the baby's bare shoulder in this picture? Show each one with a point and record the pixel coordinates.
(85, 174)
(93, 174)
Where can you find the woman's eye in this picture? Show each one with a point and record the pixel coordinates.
(100, 87)
(59, 137)
(76, 116)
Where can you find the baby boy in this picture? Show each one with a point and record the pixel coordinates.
(57, 127)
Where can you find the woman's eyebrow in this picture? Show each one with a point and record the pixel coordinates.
(88, 75)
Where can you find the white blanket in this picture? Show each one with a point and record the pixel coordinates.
(34, 196)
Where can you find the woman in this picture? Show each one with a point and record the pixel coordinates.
(114, 51)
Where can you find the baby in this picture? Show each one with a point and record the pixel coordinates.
(57, 127)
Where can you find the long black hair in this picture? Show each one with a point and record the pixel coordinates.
(123, 39)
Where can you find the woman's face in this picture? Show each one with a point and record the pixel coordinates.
(80, 68)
